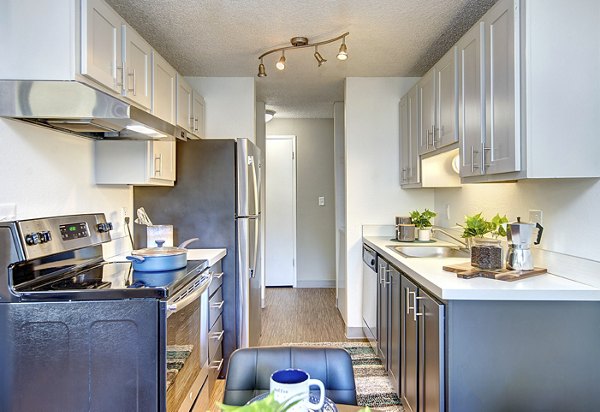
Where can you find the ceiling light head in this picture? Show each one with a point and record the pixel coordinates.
(261, 69)
(281, 63)
(269, 114)
(343, 53)
(320, 59)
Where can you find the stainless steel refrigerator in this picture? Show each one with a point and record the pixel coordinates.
(216, 198)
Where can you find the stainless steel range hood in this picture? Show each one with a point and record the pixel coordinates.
(78, 108)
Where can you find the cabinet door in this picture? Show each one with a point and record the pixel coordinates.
(414, 170)
(409, 347)
(404, 141)
(471, 100)
(503, 136)
(395, 314)
(162, 160)
(164, 89)
(382, 313)
(446, 85)
(426, 93)
(431, 354)
(101, 58)
(184, 104)
(197, 114)
(138, 68)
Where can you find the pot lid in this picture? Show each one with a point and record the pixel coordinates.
(159, 250)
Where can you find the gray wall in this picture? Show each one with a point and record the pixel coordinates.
(315, 225)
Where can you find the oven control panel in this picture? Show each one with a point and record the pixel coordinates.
(72, 231)
(43, 237)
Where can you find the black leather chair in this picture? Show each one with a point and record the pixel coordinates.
(250, 370)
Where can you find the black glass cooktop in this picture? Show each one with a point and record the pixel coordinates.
(113, 280)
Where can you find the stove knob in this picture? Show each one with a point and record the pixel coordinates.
(45, 236)
(32, 239)
(105, 227)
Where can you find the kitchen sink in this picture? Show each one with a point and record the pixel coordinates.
(430, 251)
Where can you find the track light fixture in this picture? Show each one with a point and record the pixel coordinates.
(261, 69)
(300, 43)
(318, 56)
(281, 63)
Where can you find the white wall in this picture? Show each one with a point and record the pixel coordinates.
(48, 173)
(230, 106)
(373, 193)
(315, 225)
(570, 214)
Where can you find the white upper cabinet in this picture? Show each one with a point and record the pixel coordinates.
(471, 100)
(101, 41)
(404, 141)
(503, 138)
(198, 114)
(414, 165)
(137, 63)
(164, 87)
(446, 94)
(426, 100)
(135, 162)
(438, 108)
(185, 116)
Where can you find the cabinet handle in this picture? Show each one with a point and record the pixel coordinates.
(415, 313)
(158, 170)
(380, 273)
(217, 335)
(217, 275)
(217, 366)
(218, 305)
(433, 135)
(403, 178)
(117, 83)
(129, 89)
(408, 307)
(483, 163)
(473, 166)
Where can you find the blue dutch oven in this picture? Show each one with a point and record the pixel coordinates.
(160, 258)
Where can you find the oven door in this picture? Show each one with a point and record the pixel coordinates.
(187, 345)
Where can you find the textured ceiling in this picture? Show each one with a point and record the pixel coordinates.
(225, 37)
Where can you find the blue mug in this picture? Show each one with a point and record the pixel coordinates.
(293, 385)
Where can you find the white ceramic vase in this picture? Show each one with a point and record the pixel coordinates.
(425, 235)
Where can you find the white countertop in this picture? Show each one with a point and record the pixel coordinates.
(212, 255)
(447, 286)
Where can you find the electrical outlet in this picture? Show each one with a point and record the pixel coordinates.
(321, 200)
(535, 216)
(447, 211)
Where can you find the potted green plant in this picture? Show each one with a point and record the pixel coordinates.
(486, 252)
(422, 220)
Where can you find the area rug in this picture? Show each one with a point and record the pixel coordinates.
(176, 357)
(373, 387)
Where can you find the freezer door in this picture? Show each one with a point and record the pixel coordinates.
(248, 178)
(249, 281)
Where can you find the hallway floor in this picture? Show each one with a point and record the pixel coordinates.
(294, 315)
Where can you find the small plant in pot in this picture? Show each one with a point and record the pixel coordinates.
(486, 252)
(422, 220)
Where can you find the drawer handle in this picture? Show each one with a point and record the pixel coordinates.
(217, 366)
(217, 305)
(217, 335)
(217, 275)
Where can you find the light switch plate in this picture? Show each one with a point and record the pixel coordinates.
(8, 211)
(321, 200)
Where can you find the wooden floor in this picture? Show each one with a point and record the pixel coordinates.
(294, 316)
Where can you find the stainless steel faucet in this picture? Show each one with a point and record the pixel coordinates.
(456, 239)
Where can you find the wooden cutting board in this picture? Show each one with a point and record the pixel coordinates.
(466, 271)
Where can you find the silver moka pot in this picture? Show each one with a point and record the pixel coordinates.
(520, 239)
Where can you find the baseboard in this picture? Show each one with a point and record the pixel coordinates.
(315, 283)
(355, 333)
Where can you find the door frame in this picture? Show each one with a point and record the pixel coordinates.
(294, 202)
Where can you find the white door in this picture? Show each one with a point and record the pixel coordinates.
(138, 68)
(164, 89)
(426, 92)
(280, 211)
(184, 104)
(446, 100)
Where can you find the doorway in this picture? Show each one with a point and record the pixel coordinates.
(280, 227)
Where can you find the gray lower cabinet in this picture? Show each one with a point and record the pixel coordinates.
(216, 331)
(395, 335)
(383, 321)
(421, 349)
